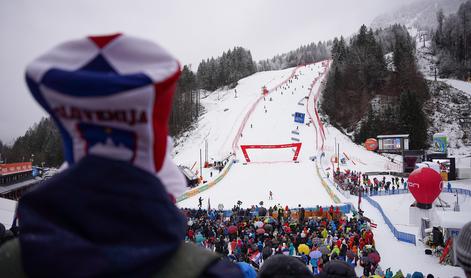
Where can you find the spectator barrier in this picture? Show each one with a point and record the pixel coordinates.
(390, 173)
(401, 236)
(459, 191)
(331, 193)
(343, 208)
(208, 185)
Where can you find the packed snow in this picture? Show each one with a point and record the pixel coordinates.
(272, 122)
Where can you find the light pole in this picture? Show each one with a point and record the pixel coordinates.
(201, 166)
(457, 205)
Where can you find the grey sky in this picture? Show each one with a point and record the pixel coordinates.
(191, 30)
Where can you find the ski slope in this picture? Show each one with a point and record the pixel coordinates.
(273, 170)
(271, 122)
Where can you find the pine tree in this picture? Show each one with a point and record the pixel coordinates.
(413, 120)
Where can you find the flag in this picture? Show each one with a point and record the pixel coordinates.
(373, 225)
(359, 197)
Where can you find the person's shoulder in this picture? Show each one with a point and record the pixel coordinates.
(10, 260)
(191, 261)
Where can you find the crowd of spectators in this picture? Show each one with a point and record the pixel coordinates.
(354, 182)
(255, 234)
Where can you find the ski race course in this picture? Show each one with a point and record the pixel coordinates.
(269, 122)
(243, 116)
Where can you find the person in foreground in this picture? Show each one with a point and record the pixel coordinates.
(463, 249)
(112, 213)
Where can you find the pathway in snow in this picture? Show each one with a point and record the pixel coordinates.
(294, 183)
(272, 122)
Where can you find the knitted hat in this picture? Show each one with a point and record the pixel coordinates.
(247, 269)
(338, 269)
(417, 275)
(111, 96)
(463, 248)
(279, 266)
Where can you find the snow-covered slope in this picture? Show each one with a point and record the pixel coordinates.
(449, 102)
(271, 122)
(270, 170)
(421, 14)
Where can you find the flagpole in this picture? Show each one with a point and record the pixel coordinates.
(359, 198)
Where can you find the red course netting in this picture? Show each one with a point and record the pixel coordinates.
(235, 143)
(326, 63)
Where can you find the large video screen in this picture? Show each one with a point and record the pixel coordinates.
(444, 164)
(392, 144)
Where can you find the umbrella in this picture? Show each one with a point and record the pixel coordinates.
(232, 229)
(260, 231)
(268, 227)
(303, 249)
(269, 220)
(324, 250)
(316, 254)
(258, 224)
(374, 257)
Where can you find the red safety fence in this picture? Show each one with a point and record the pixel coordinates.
(235, 142)
(326, 64)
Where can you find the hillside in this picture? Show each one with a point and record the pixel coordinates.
(421, 14)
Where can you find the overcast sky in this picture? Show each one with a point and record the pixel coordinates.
(191, 30)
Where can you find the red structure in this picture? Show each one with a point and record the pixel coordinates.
(371, 144)
(425, 184)
(15, 171)
(15, 179)
(282, 146)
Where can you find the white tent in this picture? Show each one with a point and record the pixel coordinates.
(7, 212)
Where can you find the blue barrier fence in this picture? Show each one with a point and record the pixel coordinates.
(402, 236)
(344, 208)
(389, 192)
(460, 191)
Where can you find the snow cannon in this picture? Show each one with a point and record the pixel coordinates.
(425, 184)
(371, 144)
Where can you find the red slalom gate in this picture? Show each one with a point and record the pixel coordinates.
(280, 146)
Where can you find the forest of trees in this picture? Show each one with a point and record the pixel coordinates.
(226, 70)
(186, 106)
(41, 144)
(359, 73)
(452, 43)
(305, 54)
